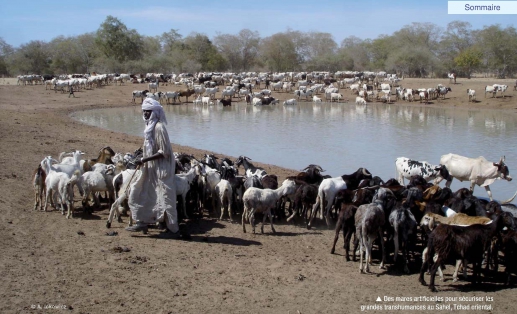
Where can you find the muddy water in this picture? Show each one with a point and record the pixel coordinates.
(339, 137)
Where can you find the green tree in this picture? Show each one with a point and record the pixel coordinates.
(279, 52)
(87, 50)
(118, 42)
(170, 40)
(6, 51)
(469, 60)
(229, 47)
(457, 38)
(499, 46)
(202, 51)
(32, 57)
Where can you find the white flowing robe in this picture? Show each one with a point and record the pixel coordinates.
(153, 190)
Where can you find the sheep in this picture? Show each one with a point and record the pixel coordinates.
(369, 223)
(224, 193)
(360, 101)
(262, 201)
(462, 243)
(471, 94)
(316, 99)
(38, 182)
(329, 188)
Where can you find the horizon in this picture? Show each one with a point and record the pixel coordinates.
(44, 22)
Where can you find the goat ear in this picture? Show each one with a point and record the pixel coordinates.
(431, 223)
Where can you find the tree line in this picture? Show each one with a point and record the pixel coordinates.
(416, 50)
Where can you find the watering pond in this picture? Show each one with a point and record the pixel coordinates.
(338, 137)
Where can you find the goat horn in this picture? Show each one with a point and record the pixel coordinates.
(509, 200)
(370, 188)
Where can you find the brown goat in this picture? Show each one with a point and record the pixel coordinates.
(38, 182)
(186, 93)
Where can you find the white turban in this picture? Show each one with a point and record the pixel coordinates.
(157, 115)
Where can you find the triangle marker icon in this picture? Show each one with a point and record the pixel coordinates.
(378, 299)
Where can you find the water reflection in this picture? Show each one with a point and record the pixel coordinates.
(339, 137)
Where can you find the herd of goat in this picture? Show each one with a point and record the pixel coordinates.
(453, 227)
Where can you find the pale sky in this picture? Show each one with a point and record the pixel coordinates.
(42, 20)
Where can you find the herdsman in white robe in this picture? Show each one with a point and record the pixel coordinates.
(152, 191)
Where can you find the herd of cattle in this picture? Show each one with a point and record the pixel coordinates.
(454, 227)
(367, 86)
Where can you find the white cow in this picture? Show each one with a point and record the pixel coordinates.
(476, 170)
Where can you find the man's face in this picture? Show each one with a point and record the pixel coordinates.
(147, 114)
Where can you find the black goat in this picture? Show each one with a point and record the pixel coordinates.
(462, 243)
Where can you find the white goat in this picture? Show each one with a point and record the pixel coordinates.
(95, 181)
(224, 193)
(262, 201)
(59, 183)
(472, 94)
(205, 100)
(360, 101)
(153, 86)
(316, 99)
(289, 102)
(182, 182)
(336, 96)
(256, 101)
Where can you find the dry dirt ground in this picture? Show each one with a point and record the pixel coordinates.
(49, 263)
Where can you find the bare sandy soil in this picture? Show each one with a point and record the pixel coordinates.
(49, 261)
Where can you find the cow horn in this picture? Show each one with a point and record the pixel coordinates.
(509, 200)
(365, 172)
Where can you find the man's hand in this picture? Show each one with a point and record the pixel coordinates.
(138, 162)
